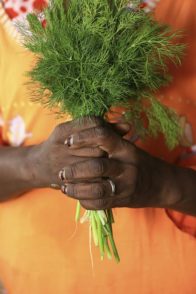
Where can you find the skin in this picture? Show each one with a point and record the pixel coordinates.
(141, 180)
(80, 158)
(26, 168)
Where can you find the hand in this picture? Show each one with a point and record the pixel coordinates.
(47, 159)
(140, 180)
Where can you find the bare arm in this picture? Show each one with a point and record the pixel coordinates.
(15, 176)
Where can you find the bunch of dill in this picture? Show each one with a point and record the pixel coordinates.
(94, 54)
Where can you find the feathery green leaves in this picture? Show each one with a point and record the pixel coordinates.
(100, 54)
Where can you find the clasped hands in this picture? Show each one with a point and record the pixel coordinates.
(91, 161)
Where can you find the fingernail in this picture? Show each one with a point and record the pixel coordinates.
(64, 189)
(69, 141)
(62, 175)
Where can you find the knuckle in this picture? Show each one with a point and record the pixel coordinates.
(98, 191)
(76, 191)
(101, 132)
(97, 204)
(90, 122)
(97, 120)
(99, 153)
(92, 150)
(94, 121)
(77, 138)
(87, 204)
(71, 190)
(82, 137)
(101, 204)
(70, 172)
(95, 152)
(98, 166)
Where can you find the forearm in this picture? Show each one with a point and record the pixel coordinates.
(15, 174)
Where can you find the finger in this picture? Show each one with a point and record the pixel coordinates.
(126, 131)
(115, 114)
(104, 138)
(109, 202)
(121, 128)
(101, 136)
(97, 204)
(119, 123)
(88, 191)
(64, 130)
(88, 152)
(91, 169)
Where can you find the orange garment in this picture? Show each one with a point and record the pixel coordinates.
(36, 253)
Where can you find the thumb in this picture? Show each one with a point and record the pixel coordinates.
(103, 137)
(121, 128)
(64, 130)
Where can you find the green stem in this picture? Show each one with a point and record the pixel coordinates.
(111, 216)
(113, 245)
(78, 209)
(94, 228)
(107, 248)
(100, 236)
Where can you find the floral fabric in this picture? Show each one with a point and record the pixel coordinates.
(17, 9)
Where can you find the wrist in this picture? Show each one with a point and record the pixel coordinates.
(169, 193)
(185, 179)
(15, 172)
(30, 169)
(157, 184)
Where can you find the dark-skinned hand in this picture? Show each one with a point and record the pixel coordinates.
(47, 159)
(140, 180)
(38, 166)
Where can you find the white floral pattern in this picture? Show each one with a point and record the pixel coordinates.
(17, 133)
(150, 5)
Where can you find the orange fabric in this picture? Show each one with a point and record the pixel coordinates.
(36, 253)
(186, 223)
